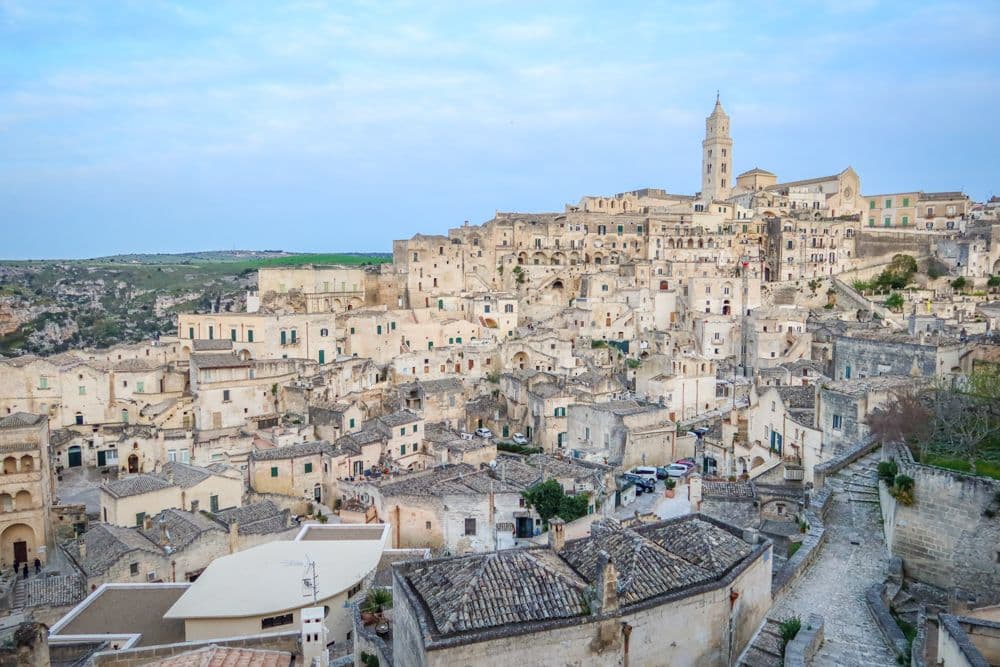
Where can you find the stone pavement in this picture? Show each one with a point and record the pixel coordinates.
(834, 585)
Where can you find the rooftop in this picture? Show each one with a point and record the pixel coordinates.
(466, 594)
(21, 420)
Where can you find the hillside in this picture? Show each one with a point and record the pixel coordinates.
(49, 306)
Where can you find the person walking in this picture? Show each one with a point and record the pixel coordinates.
(25, 570)
(38, 566)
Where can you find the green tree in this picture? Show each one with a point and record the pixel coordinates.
(547, 498)
(894, 302)
(959, 283)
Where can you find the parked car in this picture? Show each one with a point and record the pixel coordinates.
(484, 433)
(646, 472)
(641, 483)
(520, 439)
(677, 470)
(688, 463)
(661, 472)
(687, 459)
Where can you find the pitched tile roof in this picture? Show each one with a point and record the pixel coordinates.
(701, 543)
(645, 568)
(500, 588)
(21, 420)
(134, 485)
(106, 544)
(177, 528)
(292, 451)
(225, 656)
(256, 518)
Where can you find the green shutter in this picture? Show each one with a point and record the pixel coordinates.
(888, 203)
(906, 202)
(232, 335)
(871, 222)
(139, 518)
(322, 356)
(906, 220)
(249, 335)
(191, 332)
(309, 467)
(274, 471)
(871, 205)
(378, 329)
(350, 423)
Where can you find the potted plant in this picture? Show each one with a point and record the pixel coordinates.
(670, 484)
(376, 602)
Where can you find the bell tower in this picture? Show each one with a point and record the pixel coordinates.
(716, 156)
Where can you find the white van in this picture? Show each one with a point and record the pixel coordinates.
(646, 472)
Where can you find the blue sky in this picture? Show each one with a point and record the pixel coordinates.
(156, 126)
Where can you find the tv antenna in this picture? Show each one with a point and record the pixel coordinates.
(310, 580)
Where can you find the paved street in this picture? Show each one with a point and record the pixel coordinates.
(658, 504)
(834, 585)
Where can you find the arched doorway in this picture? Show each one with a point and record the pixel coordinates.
(318, 493)
(10, 466)
(75, 456)
(133, 463)
(17, 543)
(726, 307)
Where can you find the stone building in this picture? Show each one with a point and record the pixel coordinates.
(598, 600)
(26, 489)
(864, 354)
(129, 500)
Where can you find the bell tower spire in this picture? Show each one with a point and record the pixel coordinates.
(716, 155)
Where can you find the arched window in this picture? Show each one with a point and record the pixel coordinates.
(324, 332)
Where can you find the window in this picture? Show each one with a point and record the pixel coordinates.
(43, 382)
(871, 222)
(378, 329)
(392, 326)
(838, 422)
(225, 395)
(293, 336)
(847, 372)
(906, 202)
(350, 422)
(621, 229)
(354, 590)
(486, 308)
(232, 334)
(140, 387)
(172, 455)
(140, 517)
(352, 331)
(887, 221)
(414, 428)
(213, 503)
(308, 467)
(274, 471)
(276, 621)
(82, 390)
(249, 335)
(191, 332)
(211, 333)
(402, 431)
(888, 203)
(283, 336)
(509, 308)
(402, 450)
(871, 205)
(133, 569)
(324, 333)
(470, 526)
(427, 524)
(458, 339)
(906, 220)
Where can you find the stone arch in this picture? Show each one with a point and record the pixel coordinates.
(521, 360)
(757, 462)
(244, 355)
(670, 243)
(185, 352)
(574, 257)
(6, 502)
(598, 258)
(726, 307)
(522, 257)
(133, 463)
(27, 463)
(22, 500)
(690, 243)
(557, 283)
(10, 465)
(558, 258)
(15, 538)
(539, 258)
(996, 268)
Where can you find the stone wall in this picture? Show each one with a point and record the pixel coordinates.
(879, 245)
(742, 512)
(831, 467)
(812, 543)
(944, 538)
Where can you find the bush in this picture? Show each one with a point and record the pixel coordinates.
(515, 448)
(789, 628)
(369, 660)
(632, 363)
(895, 301)
(994, 281)
(670, 483)
(887, 471)
(793, 548)
(902, 490)
(377, 601)
(959, 283)
(596, 344)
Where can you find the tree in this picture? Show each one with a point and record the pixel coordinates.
(548, 499)
(959, 283)
(904, 417)
(894, 302)
(814, 285)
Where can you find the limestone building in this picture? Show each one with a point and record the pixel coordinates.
(26, 489)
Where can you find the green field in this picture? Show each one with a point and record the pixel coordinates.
(322, 259)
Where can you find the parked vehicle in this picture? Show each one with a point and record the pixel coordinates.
(520, 439)
(687, 463)
(484, 433)
(677, 470)
(661, 472)
(646, 472)
(641, 483)
(687, 459)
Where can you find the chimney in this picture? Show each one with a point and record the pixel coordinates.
(606, 586)
(314, 651)
(234, 537)
(147, 522)
(557, 534)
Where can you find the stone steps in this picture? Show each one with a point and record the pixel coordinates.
(767, 648)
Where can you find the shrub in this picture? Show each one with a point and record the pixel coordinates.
(595, 344)
(959, 283)
(632, 363)
(895, 301)
(994, 281)
(793, 548)
(670, 483)
(369, 660)
(789, 628)
(902, 490)
(887, 470)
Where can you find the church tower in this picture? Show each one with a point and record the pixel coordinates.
(716, 156)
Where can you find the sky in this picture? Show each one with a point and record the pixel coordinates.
(159, 126)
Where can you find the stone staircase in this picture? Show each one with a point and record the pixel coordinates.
(859, 480)
(766, 649)
(20, 595)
